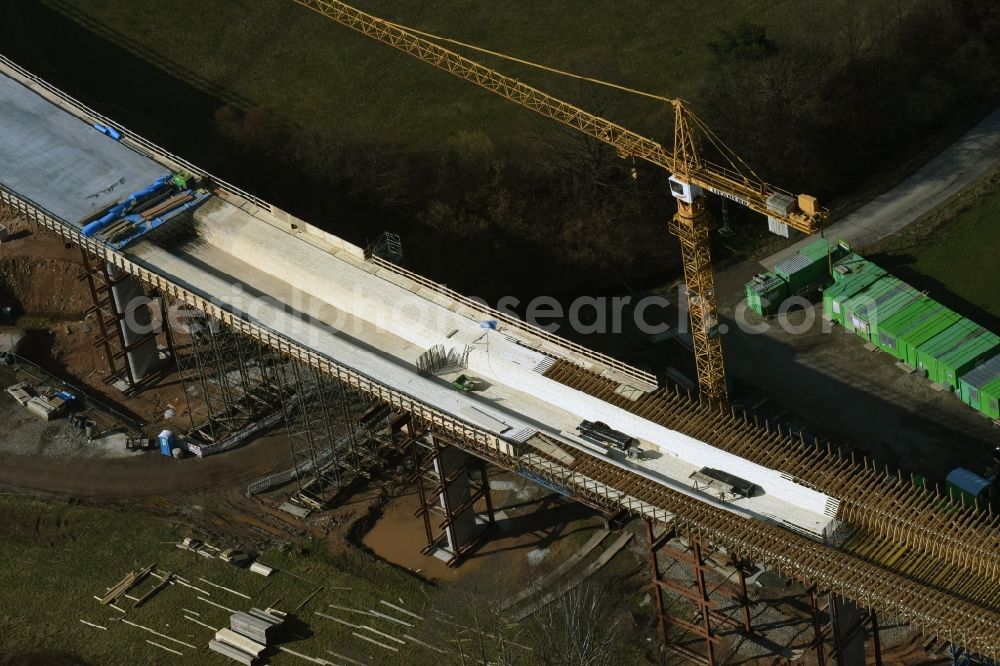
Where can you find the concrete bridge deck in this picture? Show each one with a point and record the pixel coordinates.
(319, 291)
(380, 359)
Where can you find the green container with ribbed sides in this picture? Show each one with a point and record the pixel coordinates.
(852, 276)
(923, 331)
(765, 292)
(856, 308)
(879, 303)
(850, 266)
(889, 328)
(809, 268)
(956, 351)
(980, 388)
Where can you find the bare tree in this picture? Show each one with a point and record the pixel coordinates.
(473, 629)
(583, 627)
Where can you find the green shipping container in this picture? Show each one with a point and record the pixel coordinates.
(850, 265)
(905, 324)
(810, 266)
(955, 351)
(861, 275)
(889, 328)
(874, 307)
(980, 388)
(922, 332)
(765, 292)
(856, 309)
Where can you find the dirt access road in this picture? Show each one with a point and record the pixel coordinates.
(146, 474)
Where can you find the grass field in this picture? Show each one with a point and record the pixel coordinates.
(953, 252)
(326, 78)
(57, 557)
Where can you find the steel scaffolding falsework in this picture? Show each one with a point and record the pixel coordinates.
(330, 430)
(236, 386)
(229, 379)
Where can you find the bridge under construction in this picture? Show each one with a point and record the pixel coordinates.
(275, 321)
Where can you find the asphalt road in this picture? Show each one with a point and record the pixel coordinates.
(940, 179)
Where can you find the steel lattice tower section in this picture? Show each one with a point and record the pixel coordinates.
(691, 227)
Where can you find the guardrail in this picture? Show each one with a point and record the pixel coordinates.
(259, 332)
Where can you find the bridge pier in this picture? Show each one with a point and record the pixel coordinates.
(450, 483)
(121, 309)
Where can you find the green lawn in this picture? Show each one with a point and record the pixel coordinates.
(963, 255)
(56, 557)
(953, 254)
(325, 77)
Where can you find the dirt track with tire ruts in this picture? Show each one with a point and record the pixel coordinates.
(145, 474)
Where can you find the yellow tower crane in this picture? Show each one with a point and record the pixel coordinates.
(690, 174)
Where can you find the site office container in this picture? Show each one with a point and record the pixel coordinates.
(809, 267)
(900, 299)
(857, 294)
(836, 296)
(861, 307)
(930, 353)
(955, 351)
(911, 315)
(851, 265)
(895, 331)
(980, 387)
(923, 332)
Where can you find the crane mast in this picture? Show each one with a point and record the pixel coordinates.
(691, 174)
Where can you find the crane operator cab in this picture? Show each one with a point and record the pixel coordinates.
(686, 192)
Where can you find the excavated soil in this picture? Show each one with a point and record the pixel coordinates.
(40, 277)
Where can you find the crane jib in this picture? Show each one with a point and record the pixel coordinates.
(730, 196)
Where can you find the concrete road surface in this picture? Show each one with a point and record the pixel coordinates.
(944, 176)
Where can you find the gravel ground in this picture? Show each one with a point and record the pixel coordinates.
(25, 433)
